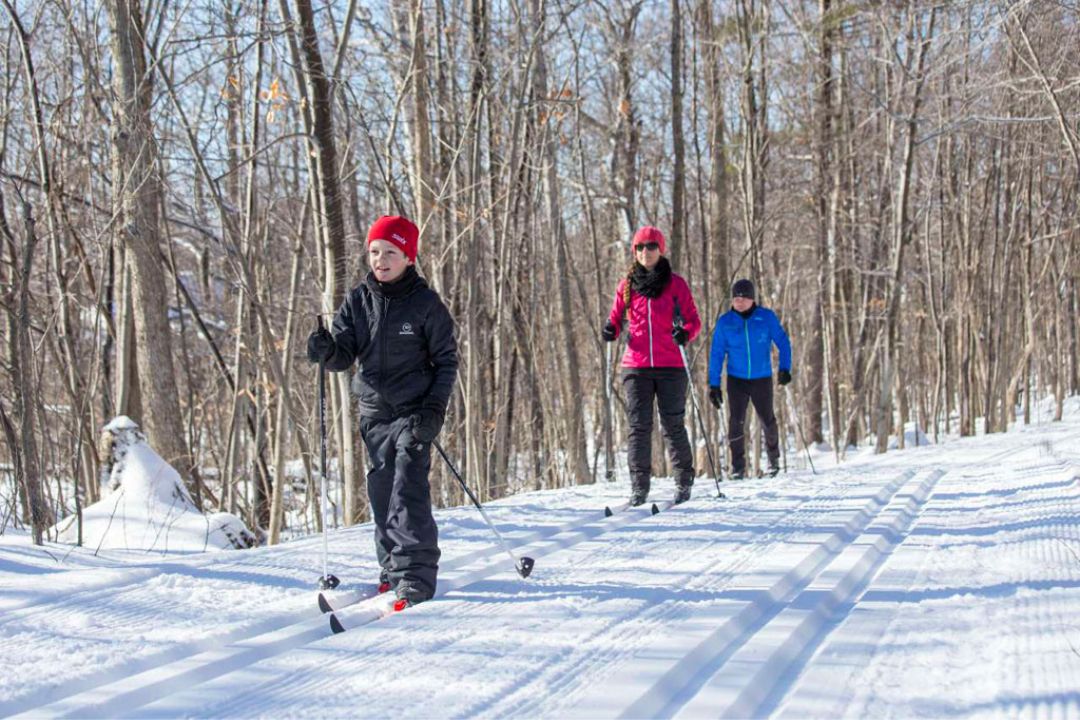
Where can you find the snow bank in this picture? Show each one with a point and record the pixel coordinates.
(913, 437)
(147, 506)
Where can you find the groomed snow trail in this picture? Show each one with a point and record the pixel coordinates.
(934, 581)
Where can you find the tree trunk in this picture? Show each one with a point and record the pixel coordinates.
(715, 262)
(678, 169)
(813, 382)
(329, 216)
(138, 193)
(902, 237)
(627, 125)
(573, 396)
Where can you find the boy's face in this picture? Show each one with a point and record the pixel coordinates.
(387, 260)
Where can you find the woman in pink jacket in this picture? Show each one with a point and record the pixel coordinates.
(656, 307)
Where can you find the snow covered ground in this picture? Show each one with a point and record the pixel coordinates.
(935, 581)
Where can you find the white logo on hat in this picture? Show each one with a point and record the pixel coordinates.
(398, 238)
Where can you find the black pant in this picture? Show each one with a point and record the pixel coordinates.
(740, 393)
(406, 538)
(668, 386)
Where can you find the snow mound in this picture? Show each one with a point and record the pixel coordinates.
(913, 437)
(147, 506)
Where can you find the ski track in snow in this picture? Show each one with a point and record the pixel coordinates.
(937, 581)
(122, 690)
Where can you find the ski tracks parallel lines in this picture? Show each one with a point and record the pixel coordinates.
(121, 690)
(845, 665)
(752, 682)
(355, 617)
(359, 615)
(676, 668)
(607, 645)
(50, 700)
(221, 698)
(134, 575)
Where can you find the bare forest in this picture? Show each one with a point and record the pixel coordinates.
(185, 185)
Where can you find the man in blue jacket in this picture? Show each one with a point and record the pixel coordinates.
(744, 335)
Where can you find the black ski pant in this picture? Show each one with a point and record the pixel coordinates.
(742, 392)
(668, 387)
(406, 538)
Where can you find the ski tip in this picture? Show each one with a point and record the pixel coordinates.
(607, 511)
(655, 509)
(335, 625)
(324, 604)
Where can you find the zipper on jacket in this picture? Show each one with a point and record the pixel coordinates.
(382, 341)
(746, 334)
(648, 305)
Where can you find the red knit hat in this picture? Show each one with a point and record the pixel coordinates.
(397, 230)
(648, 234)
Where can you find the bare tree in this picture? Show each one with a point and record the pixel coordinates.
(137, 201)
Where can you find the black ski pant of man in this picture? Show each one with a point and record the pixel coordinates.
(406, 538)
(668, 387)
(742, 392)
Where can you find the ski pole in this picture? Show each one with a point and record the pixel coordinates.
(609, 452)
(327, 581)
(798, 427)
(723, 438)
(701, 423)
(677, 320)
(525, 564)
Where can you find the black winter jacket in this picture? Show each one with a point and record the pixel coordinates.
(403, 336)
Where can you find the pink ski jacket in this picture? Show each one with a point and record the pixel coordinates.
(650, 322)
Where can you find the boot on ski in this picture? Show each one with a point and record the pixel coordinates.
(409, 595)
(639, 490)
(385, 585)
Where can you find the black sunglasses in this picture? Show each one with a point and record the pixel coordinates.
(647, 246)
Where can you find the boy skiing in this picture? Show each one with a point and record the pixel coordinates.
(402, 335)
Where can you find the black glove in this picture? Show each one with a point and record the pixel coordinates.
(425, 425)
(715, 396)
(320, 345)
(679, 335)
(783, 377)
(609, 333)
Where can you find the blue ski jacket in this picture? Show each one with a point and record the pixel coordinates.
(747, 345)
